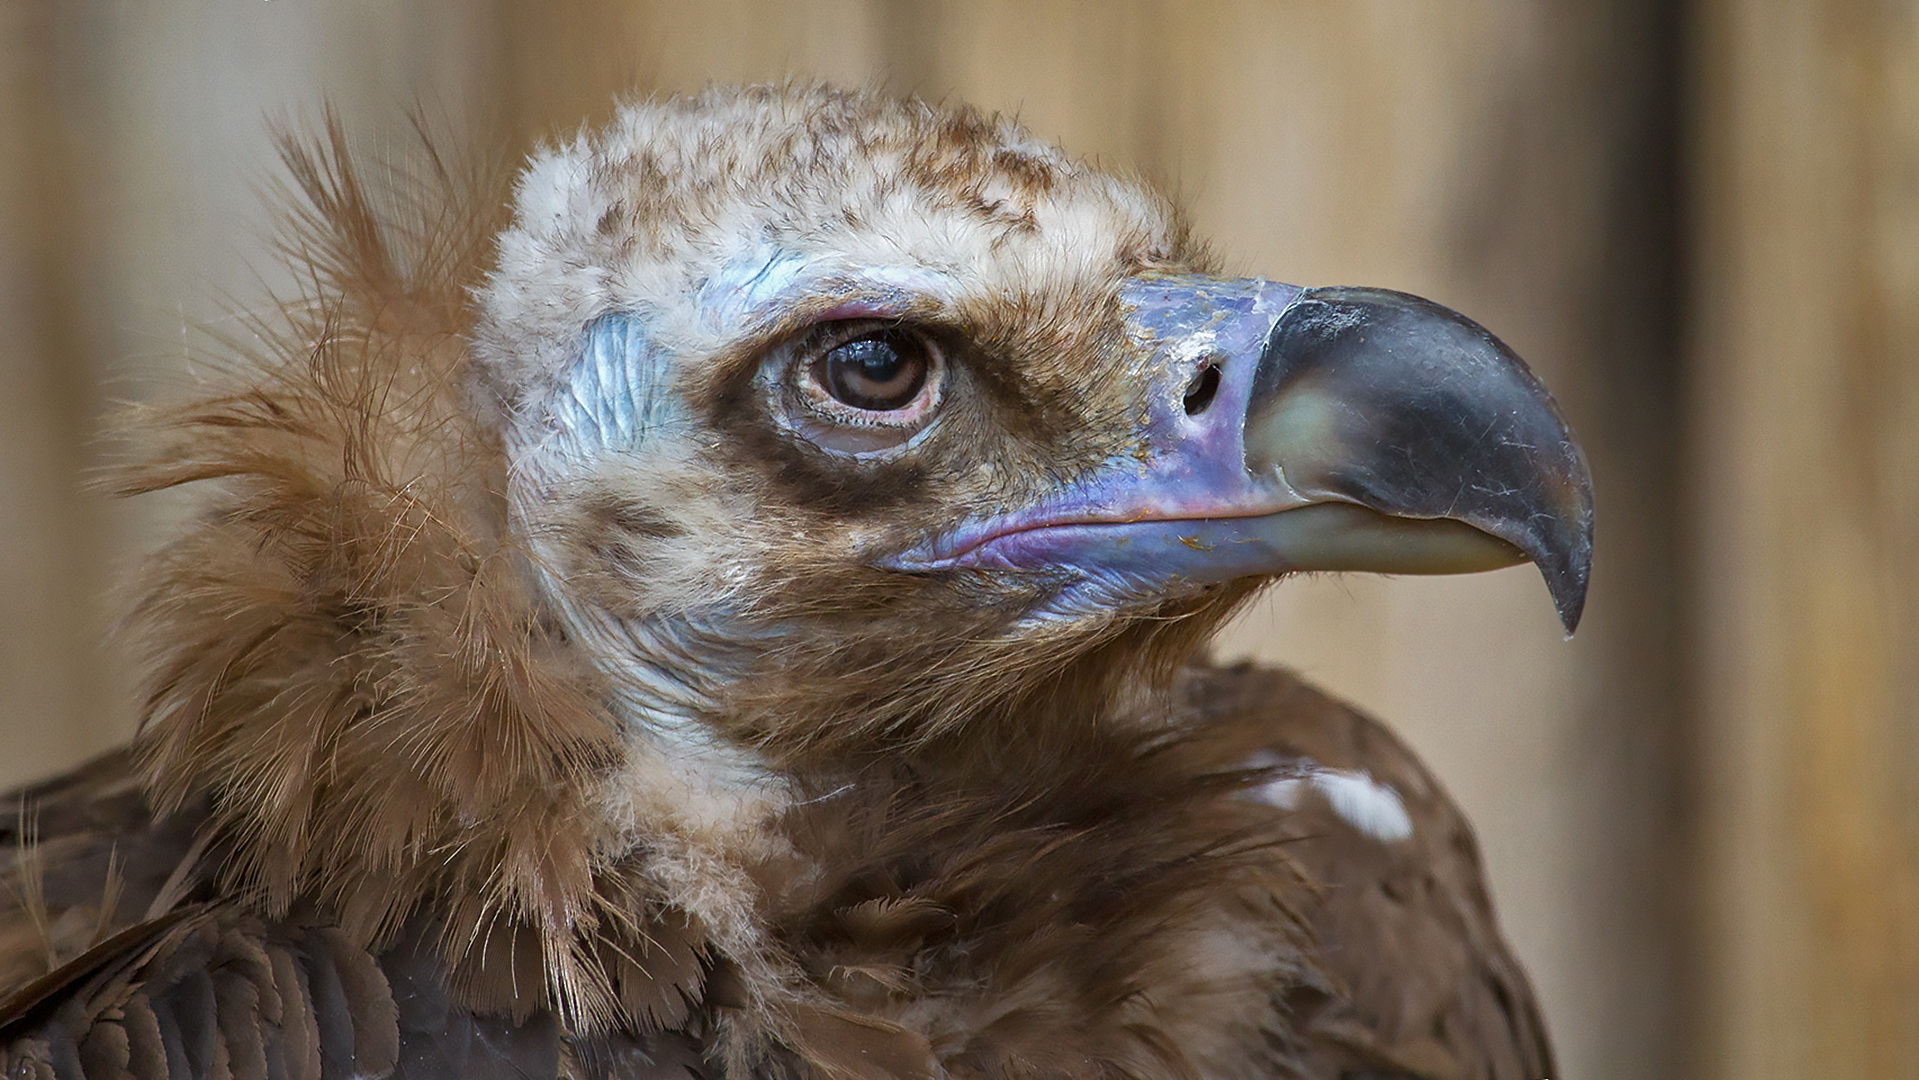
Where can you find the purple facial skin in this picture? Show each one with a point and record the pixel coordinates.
(1308, 429)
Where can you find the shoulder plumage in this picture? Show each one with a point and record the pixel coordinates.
(1418, 975)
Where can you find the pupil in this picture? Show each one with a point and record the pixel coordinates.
(878, 361)
(878, 373)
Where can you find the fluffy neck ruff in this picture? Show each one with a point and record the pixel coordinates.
(346, 649)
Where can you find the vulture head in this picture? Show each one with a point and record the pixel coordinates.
(820, 408)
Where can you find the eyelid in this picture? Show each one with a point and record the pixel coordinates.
(822, 336)
(861, 309)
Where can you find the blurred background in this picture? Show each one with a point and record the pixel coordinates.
(1698, 218)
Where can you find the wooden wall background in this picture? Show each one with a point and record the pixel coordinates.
(1700, 219)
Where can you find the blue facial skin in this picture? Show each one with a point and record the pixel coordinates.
(621, 390)
(620, 394)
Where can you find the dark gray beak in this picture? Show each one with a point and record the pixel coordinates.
(1391, 402)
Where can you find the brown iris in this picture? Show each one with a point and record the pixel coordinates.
(882, 371)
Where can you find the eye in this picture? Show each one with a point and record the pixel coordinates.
(861, 386)
(883, 371)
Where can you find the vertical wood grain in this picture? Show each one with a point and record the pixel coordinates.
(51, 709)
(1807, 417)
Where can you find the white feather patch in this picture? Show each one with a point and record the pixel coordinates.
(1369, 806)
(1364, 803)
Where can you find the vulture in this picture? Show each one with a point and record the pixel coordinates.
(731, 599)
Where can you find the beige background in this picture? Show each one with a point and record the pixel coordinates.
(1700, 220)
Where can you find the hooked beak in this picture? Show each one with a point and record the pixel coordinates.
(1297, 429)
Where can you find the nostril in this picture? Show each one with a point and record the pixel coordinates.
(1200, 392)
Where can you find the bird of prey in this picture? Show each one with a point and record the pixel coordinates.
(733, 605)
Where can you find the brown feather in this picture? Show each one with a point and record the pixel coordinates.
(348, 661)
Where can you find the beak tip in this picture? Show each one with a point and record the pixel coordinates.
(1567, 577)
(1570, 601)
